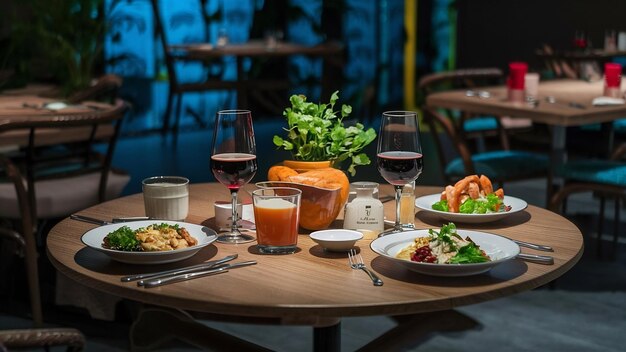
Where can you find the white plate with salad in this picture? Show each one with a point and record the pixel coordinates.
(510, 205)
(414, 250)
(125, 245)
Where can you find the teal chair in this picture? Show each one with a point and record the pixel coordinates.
(452, 135)
(606, 178)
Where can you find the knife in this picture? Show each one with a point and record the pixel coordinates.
(194, 275)
(538, 247)
(88, 219)
(539, 259)
(201, 266)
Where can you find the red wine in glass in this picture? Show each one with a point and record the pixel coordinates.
(399, 154)
(399, 167)
(233, 162)
(233, 170)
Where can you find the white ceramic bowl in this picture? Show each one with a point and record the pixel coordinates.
(336, 240)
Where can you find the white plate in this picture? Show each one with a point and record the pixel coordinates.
(425, 203)
(93, 238)
(498, 248)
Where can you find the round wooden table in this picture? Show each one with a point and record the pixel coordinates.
(311, 286)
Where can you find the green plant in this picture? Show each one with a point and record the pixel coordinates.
(316, 132)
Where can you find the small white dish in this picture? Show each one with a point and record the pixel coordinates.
(498, 248)
(425, 203)
(93, 239)
(338, 240)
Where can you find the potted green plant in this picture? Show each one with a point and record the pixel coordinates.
(316, 132)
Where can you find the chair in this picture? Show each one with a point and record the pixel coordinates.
(60, 178)
(500, 165)
(176, 87)
(606, 178)
(24, 239)
(45, 337)
(104, 88)
(81, 163)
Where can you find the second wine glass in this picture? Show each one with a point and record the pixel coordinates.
(399, 154)
(233, 162)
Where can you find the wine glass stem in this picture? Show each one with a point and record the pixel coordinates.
(233, 223)
(397, 225)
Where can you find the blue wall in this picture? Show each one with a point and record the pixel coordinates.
(373, 36)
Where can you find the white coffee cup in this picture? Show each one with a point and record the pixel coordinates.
(166, 197)
(223, 213)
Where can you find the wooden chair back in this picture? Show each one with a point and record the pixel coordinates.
(452, 122)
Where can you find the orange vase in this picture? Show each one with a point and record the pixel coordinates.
(303, 166)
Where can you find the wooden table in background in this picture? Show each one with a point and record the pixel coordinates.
(312, 287)
(558, 116)
(329, 51)
(17, 106)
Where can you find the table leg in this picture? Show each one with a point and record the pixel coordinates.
(327, 338)
(558, 157)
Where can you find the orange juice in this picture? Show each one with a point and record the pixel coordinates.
(276, 222)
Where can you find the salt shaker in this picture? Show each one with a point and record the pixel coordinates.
(365, 212)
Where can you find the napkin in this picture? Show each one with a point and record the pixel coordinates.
(605, 101)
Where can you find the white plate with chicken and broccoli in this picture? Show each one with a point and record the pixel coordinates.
(149, 242)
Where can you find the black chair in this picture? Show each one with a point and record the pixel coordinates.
(177, 88)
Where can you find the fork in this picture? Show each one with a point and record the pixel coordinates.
(356, 262)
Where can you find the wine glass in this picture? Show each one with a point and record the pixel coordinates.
(233, 161)
(399, 154)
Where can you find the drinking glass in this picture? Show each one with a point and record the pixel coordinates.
(233, 162)
(399, 154)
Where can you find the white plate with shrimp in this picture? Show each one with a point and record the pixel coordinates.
(425, 203)
(203, 235)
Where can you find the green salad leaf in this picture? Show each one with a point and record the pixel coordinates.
(122, 239)
(441, 205)
(468, 254)
(316, 132)
(490, 204)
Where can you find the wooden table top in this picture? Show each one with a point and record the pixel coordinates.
(311, 282)
(259, 48)
(15, 107)
(558, 114)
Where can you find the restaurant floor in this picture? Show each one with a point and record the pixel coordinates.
(584, 310)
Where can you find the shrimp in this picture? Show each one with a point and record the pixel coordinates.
(500, 193)
(485, 184)
(443, 196)
(453, 200)
(473, 191)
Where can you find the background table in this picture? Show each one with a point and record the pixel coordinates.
(313, 287)
(23, 107)
(558, 115)
(329, 51)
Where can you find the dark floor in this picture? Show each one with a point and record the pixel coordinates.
(585, 309)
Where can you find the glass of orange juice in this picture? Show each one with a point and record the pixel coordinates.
(276, 216)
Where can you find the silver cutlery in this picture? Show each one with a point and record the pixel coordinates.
(88, 219)
(356, 262)
(538, 247)
(539, 259)
(205, 265)
(194, 275)
(104, 222)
